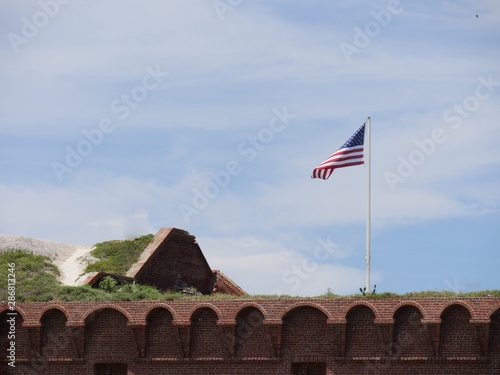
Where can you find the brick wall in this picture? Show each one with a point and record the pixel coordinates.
(225, 285)
(206, 338)
(177, 262)
(108, 338)
(458, 336)
(54, 336)
(410, 336)
(362, 335)
(252, 339)
(311, 339)
(161, 335)
(262, 336)
(494, 340)
(22, 341)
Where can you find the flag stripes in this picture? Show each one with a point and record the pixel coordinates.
(349, 154)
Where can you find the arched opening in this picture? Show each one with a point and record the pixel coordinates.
(305, 332)
(494, 348)
(107, 328)
(362, 338)
(56, 337)
(11, 329)
(161, 337)
(206, 338)
(252, 338)
(458, 338)
(410, 337)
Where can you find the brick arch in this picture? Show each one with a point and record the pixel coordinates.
(205, 305)
(410, 303)
(22, 339)
(458, 337)
(148, 311)
(305, 331)
(55, 333)
(105, 306)
(493, 310)
(361, 303)
(53, 307)
(110, 327)
(247, 305)
(410, 336)
(162, 338)
(24, 315)
(362, 335)
(494, 332)
(252, 338)
(468, 307)
(206, 338)
(306, 304)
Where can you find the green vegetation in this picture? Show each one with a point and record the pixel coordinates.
(35, 276)
(448, 293)
(426, 294)
(118, 256)
(364, 292)
(110, 290)
(36, 281)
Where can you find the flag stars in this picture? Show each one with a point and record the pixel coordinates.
(350, 153)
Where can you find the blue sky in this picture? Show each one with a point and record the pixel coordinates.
(119, 118)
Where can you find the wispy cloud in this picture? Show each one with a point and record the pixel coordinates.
(225, 79)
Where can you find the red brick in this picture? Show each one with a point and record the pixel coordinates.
(258, 336)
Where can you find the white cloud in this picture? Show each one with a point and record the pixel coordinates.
(225, 78)
(262, 266)
(93, 209)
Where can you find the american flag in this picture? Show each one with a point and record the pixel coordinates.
(350, 153)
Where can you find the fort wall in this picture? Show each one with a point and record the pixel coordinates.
(334, 336)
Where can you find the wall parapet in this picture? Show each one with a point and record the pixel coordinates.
(274, 309)
(262, 335)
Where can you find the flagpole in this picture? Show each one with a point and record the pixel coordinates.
(368, 199)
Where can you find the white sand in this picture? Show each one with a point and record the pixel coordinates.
(73, 266)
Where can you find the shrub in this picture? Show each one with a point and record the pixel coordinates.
(108, 284)
(36, 276)
(84, 293)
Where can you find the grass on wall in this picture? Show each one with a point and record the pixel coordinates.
(37, 281)
(35, 276)
(117, 256)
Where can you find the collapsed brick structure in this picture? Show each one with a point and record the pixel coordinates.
(173, 261)
(257, 336)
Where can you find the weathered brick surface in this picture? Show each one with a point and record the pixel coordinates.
(313, 341)
(262, 336)
(108, 338)
(362, 334)
(223, 284)
(22, 340)
(173, 260)
(252, 339)
(162, 340)
(458, 336)
(207, 339)
(410, 336)
(494, 339)
(55, 336)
